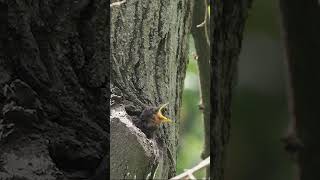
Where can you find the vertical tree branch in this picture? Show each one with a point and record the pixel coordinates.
(202, 45)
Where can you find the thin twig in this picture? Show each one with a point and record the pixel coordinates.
(189, 172)
(117, 3)
(202, 24)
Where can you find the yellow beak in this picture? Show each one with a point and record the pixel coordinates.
(161, 117)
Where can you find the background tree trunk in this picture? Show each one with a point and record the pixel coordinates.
(227, 20)
(148, 56)
(301, 27)
(54, 72)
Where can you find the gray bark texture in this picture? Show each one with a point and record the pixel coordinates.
(148, 64)
(227, 20)
(301, 27)
(54, 75)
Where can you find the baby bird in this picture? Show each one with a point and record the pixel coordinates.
(150, 119)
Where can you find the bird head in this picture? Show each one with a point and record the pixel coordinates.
(159, 117)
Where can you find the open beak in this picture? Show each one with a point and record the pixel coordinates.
(161, 117)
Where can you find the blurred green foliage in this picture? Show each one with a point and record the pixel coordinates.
(264, 18)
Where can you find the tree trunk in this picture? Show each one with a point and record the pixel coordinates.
(54, 75)
(227, 21)
(301, 34)
(148, 60)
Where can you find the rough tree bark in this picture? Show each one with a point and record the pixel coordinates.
(54, 75)
(227, 20)
(301, 28)
(148, 57)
